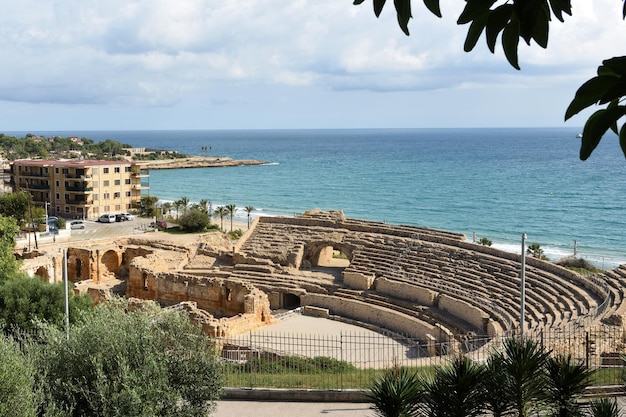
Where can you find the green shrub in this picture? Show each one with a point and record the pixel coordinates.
(194, 220)
(19, 396)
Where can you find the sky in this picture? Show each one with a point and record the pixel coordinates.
(282, 64)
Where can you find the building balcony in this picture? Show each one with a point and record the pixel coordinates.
(141, 187)
(140, 174)
(78, 202)
(38, 187)
(80, 189)
(34, 174)
(78, 176)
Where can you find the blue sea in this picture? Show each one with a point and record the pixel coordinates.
(494, 183)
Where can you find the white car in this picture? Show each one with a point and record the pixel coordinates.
(128, 216)
(77, 224)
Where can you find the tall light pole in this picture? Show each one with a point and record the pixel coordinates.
(522, 303)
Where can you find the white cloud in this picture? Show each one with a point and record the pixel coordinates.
(164, 53)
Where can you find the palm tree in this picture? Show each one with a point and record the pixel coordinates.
(184, 202)
(221, 211)
(204, 205)
(395, 393)
(534, 250)
(456, 390)
(231, 212)
(177, 205)
(167, 208)
(566, 383)
(249, 209)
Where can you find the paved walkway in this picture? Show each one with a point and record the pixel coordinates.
(288, 409)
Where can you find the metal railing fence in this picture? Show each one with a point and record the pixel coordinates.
(351, 360)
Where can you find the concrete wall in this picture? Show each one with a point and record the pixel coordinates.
(465, 311)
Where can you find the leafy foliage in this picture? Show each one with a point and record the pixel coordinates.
(529, 20)
(9, 266)
(148, 362)
(194, 220)
(604, 407)
(19, 396)
(15, 205)
(608, 87)
(24, 301)
(293, 364)
(147, 205)
(42, 147)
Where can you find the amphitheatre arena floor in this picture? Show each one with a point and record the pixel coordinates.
(313, 336)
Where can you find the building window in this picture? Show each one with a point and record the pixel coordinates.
(127, 193)
(67, 197)
(95, 197)
(127, 181)
(116, 195)
(105, 183)
(66, 171)
(117, 170)
(105, 170)
(95, 170)
(57, 183)
(67, 209)
(56, 170)
(58, 196)
(58, 210)
(118, 182)
(106, 196)
(127, 169)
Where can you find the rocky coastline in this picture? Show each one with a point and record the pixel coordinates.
(199, 162)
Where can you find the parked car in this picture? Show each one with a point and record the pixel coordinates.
(120, 218)
(77, 224)
(107, 218)
(128, 216)
(161, 224)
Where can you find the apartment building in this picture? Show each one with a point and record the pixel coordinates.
(80, 189)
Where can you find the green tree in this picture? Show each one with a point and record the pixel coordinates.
(529, 20)
(204, 205)
(9, 265)
(535, 250)
(456, 390)
(566, 384)
(15, 205)
(183, 203)
(249, 210)
(147, 205)
(24, 301)
(496, 383)
(167, 208)
(221, 212)
(395, 393)
(484, 241)
(121, 363)
(230, 209)
(19, 394)
(194, 220)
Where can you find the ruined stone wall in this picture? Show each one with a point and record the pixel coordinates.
(241, 305)
(464, 310)
(406, 291)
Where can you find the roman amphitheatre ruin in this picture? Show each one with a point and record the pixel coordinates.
(432, 284)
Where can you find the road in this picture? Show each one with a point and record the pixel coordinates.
(96, 230)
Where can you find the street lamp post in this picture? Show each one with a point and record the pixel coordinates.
(523, 286)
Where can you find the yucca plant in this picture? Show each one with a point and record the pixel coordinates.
(524, 361)
(456, 390)
(395, 393)
(497, 385)
(566, 383)
(604, 407)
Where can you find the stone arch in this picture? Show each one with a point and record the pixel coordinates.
(111, 260)
(327, 254)
(290, 301)
(43, 273)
